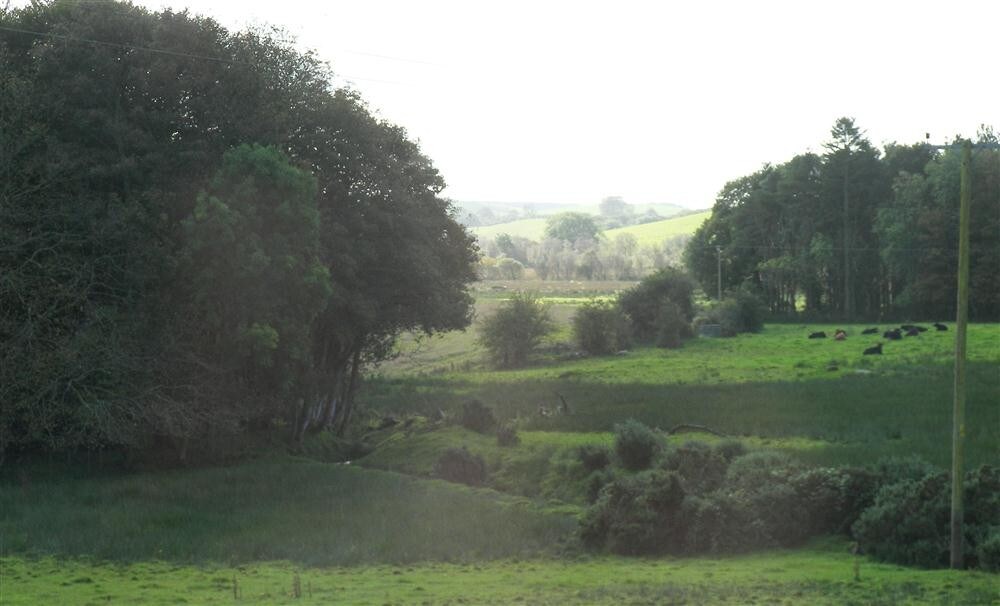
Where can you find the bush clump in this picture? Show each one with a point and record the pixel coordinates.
(507, 436)
(636, 515)
(460, 465)
(593, 457)
(672, 327)
(644, 303)
(517, 327)
(701, 468)
(601, 328)
(910, 521)
(477, 417)
(635, 444)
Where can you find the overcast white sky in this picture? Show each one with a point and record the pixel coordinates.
(658, 102)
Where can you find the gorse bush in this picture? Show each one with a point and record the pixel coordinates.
(635, 444)
(593, 457)
(910, 521)
(701, 468)
(477, 417)
(515, 329)
(636, 514)
(460, 465)
(507, 436)
(600, 328)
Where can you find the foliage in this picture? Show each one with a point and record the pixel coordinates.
(601, 328)
(854, 233)
(909, 522)
(571, 227)
(507, 436)
(742, 312)
(644, 303)
(671, 326)
(477, 417)
(700, 467)
(169, 278)
(460, 465)
(636, 515)
(635, 444)
(515, 329)
(593, 457)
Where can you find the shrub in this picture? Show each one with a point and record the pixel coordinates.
(637, 515)
(701, 468)
(601, 328)
(635, 444)
(909, 522)
(516, 328)
(477, 417)
(742, 312)
(988, 550)
(730, 449)
(507, 436)
(596, 481)
(593, 457)
(671, 326)
(460, 465)
(643, 303)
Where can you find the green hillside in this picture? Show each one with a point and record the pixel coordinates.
(658, 231)
(532, 229)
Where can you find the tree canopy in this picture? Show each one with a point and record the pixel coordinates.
(199, 236)
(855, 233)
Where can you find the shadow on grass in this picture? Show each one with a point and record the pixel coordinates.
(280, 509)
(859, 417)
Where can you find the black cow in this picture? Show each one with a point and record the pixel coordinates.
(874, 351)
(892, 335)
(817, 335)
(870, 331)
(906, 326)
(940, 326)
(913, 332)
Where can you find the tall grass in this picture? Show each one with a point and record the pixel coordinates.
(278, 509)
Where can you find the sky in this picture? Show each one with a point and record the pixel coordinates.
(658, 102)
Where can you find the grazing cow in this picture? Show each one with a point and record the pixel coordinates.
(840, 335)
(874, 351)
(906, 326)
(892, 335)
(913, 332)
(870, 331)
(921, 328)
(940, 326)
(817, 335)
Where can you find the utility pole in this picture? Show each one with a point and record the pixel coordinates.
(961, 323)
(961, 329)
(718, 269)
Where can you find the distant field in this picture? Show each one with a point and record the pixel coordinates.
(532, 229)
(657, 232)
(647, 233)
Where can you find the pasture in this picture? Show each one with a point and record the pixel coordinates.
(658, 231)
(381, 529)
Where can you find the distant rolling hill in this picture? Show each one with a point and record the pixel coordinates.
(648, 233)
(532, 229)
(658, 231)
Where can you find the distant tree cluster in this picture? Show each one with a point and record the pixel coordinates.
(856, 233)
(200, 239)
(588, 257)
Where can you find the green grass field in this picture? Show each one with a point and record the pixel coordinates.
(658, 231)
(381, 530)
(532, 229)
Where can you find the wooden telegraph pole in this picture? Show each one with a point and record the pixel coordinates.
(961, 324)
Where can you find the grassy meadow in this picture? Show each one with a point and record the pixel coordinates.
(380, 529)
(658, 231)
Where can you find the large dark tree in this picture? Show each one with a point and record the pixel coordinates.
(156, 286)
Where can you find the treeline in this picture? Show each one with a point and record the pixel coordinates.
(574, 248)
(201, 241)
(855, 233)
